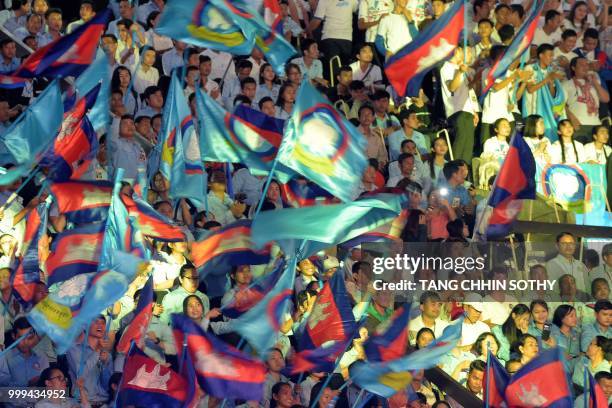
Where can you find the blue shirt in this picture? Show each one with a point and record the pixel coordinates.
(17, 369)
(96, 374)
(173, 303)
(9, 67)
(128, 155)
(396, 138)
(459, 192)
(589, 332)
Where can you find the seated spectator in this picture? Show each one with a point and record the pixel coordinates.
(550, 32)
(220, 205)
(364, 69)
(376, 145)
(604, 379)
(125, 152)
(601, 326)
(410, 122)
(269, 85)
(293, 74)
(128, 52)
(146, 74)
(424, 337)
(439, 214)
(598, 151)
(33, 27)
(285, 101)
(309, 63)
(154, 100)
(565, 332)
(484, 343)
(540, 318)
(604, 270)
(266, 105)
(173, 58)
(207, 85)
(525, 348)
(173, 301)
(341, 91)
(566, 263)
(508, 333)
(564, 52)
(597, 358)
(472, 325)
(359, 97)
(22, 366)
(231, 87)
(86, 12)
(430, 307)
(16, 17)
(54, 379)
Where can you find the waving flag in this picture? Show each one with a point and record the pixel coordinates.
(35, 241)
(136, 330)
(11, 82)
(321, 359)
(246, 136)
(181, 163)
(322, 145)
(260, 324)
(202, 23)
(495, 382)
(82, 202)
(273, 15)
(150, 222)
(388, 377)
(32, 133)
(145, 382)
(542, 382)
(330, 224)
(407, 68)
(331, 318)
(515, 181)
(97, 75)
(389, 232)
(521, 42)
(389, 342)
(245, 299)
(301, 193)
(222, 371)
(69, 55)
(597, 397)
(73, 252)
(76, 143)
(227, 247)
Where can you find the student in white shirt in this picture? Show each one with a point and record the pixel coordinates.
(583, 94)
(206, 84)
(579, 19)
(564, 52)
(173, 58)
(369, 15)
(146, 75)
(550, 33)
(269, 85)
(309, 63)
(364, 70)
(566, 150)
(497, 147)
(598, 150)
(395, 30)
(534, 135)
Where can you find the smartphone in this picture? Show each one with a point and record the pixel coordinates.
(456, 202)
(546, 331)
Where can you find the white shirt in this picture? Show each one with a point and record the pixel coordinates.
(531, 98)
(220, 62)
(460, 100)
(540, 37)
(495, 104)
(493, 147)
(256, 68)
(559, 266)
(374, 75)
(570, 155)
(142, 79)
(394, 31)
(338, 18)
(497, 312)
(171, 60)
(417, 324)
(371, 10)
(576, 102)
(599, 156)
(470, 332)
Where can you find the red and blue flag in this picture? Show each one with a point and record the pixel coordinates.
(390, 340)
(596, 397)
(11, 82)
(515, 181)
(302, 193)
(407, 68)
(145, 382)
(542, 382)
(521, 42)
(222, 371)
(495, 382)
(273, 15)
(76, 143)
(321, 359)
(69, 55)
(244, 300)
(331, 318)
(83, 202)
(137, 329)
(150, 222)
(35, 240)
(227, 247)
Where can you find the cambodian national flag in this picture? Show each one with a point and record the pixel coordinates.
(137, 329)
(83, 202)
(97, 74)
(302, 193)
(596, 398)
(69, 55)
(246, 136)
(495, 383)
(245, 299)
(35, 241)
(407, 68)
(181, 162)
(262, 322)
(150, 222)
(322, 145)
(145, 382)
(11, 82)
(222, 371)
(76, 143)
(74, 252)
(521, 42)
(390, 341)
(515, 181)
(331, 318)
(321, 359)
(388, 377)
(227, 247)
(542, 382)
(273, 15)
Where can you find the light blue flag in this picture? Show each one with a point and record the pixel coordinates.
(98, 72)
(202, 23)
(325, 225)
(387, 378)
(180, 161)
(261, 324)
(32, 133)
(322, 145)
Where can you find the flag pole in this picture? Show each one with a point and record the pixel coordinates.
(487, 390)
(15, 343)
(358, 398)
(586, 395)
(266, 186)
(465, 30)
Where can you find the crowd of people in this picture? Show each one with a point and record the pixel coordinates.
(556, 94)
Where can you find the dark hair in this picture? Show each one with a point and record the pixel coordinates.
(477, 347)
(536, 302)
(520, 342)
(150, 90)
(561, 142)
(479, 4)
(280, 101)
(429, 295)
(261, 72)
(290, 66)
(211, 224)
(247, 80)
(450, 169)
(455, 228)
(496, 51)
(151, 17)
(568, 33)
(605, 344)
(530, 126)
(591, 33)
(188, 266)
(422, 331)
(597, 281)
(517, 8)
(497, 122)
(6, 41)
(115, 79)
(404, 156)
(358, 265)
(45, 376)
(186, 301)
(563, 234)
(125, 22)
(501, 6)
(505, 32)
(560, 312)
(602, 305)
(363, 107)
(345, 68)
(264, 100)
(509, 328)
(21, 323)
(572, 13)
(356, 85)
(243, 63)
(380, 94)
(542, 48)
(603, 375)
(551, 14)
(111, 36)
(476, 365)
(595, 130)
(362, 46)
(430, 162)
(306, 44)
